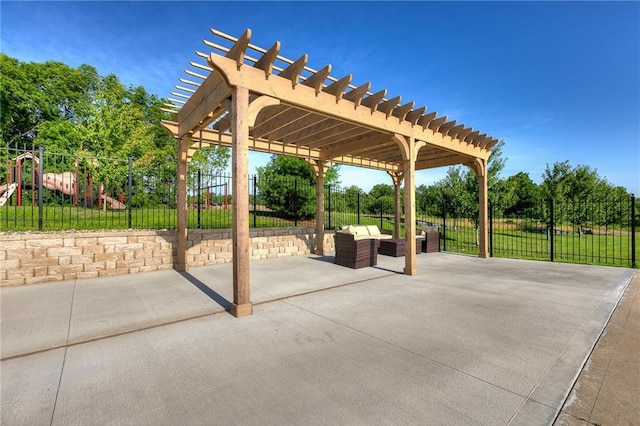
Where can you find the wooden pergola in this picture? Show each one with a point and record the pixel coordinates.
(250, 98)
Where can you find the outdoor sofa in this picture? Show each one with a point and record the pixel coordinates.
(357, 245)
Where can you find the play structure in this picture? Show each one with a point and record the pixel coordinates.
(65, 182)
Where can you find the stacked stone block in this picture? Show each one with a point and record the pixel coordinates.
(29, 258)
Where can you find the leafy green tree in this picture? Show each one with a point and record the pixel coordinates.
(33, 94)
(380, 199)
(556, 181)
(287, 186)
(459, 189)
(522, 193)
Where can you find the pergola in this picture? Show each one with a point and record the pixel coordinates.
(250, 98)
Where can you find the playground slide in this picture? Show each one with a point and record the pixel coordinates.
(6, 191)
(64, 182)
(114, 204)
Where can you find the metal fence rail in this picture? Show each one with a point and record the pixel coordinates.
(589, 231)
(47, 191)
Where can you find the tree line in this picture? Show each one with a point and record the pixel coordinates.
(90, 117)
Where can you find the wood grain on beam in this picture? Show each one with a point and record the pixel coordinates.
(338, 134)
(297, 126)
(453, 132)
(462, 133)
(265, 127)
(211, 93)
(413, 116)
(311, 132)
(317, 80)
(293, 71)
(337, 87)
(426, 120)
(356, 94)
(266, 61)
(239, 48)
(446, 126)
(435, 124)
(373, 100)
(471, 136)
(402, 111)
(441, 162)
(387, 106)
(365, 142)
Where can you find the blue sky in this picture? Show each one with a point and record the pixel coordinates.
(555, 80)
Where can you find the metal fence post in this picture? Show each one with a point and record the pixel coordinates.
(633, 231)
(199, 195)
(444, 225)
(381, 206)
(329, 204)
(40, 188)
(129, 192)
(295, 202)
(551, 230)
(358, 207)
(255, 185)
(490, 230)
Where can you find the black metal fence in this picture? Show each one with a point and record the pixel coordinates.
(47, 191)
(588, 231)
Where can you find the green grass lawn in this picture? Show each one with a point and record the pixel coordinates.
(613, 249)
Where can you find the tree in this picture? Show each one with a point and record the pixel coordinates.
(33, 94)
(556, 181)
(461, 192)
(287, 186)
(522, 193)
(380, 199)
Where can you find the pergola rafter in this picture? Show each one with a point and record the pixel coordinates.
(251, 98)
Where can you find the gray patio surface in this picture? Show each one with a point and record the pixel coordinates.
(467, 341)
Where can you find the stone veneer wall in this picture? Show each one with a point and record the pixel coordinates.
(29, 258)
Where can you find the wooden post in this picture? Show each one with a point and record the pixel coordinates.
(397, 178)
(319, 208)
(483, 209)
(410, 267)
(409, 149)
(241, 305)
(182, 233)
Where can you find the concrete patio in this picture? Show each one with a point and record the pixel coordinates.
(467, 341)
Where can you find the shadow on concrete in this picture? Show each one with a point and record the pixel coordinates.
(327, 259)
(219, 299)
(388, 270)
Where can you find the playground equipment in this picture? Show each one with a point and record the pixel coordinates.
(65, 182)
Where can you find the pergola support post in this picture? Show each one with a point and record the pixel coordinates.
(397, 178)
(241, 305)
(320, 171)
(409, 151)
(483, 208)
(182, 225)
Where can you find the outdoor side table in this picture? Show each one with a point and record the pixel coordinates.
(395, 247)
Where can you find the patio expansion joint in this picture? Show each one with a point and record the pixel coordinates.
(281, 298)
(64, 357)
(67, 345)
